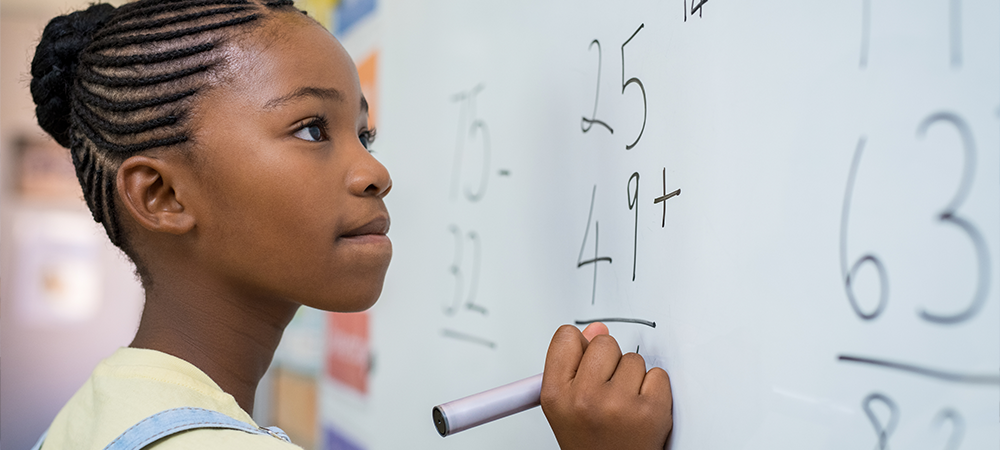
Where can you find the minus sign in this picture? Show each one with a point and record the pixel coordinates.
(647, 323)
(504, 173)
(468, 338)
(667, 197)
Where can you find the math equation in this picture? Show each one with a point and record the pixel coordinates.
(883, 408)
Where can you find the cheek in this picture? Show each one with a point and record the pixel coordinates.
(268, 210)
(272, 224)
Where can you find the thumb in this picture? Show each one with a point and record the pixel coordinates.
(595, 329)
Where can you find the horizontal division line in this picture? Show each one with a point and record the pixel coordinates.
(925, 371)
(647, 323)
(468, 338)
(594, 260)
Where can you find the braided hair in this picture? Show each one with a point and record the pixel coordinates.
(109, 83)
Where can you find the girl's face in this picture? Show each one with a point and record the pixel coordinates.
(289, 199)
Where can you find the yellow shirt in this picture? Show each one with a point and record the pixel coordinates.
(134, 384)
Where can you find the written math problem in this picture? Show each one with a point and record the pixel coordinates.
(587, 125)
(882, 407)
(471, 172)
(793, 209)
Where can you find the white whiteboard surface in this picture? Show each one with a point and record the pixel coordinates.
(806, 138)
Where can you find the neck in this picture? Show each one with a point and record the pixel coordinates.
(230, 337)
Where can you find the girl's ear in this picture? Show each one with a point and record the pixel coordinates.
(146, 188)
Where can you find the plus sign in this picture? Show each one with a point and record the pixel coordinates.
(663, 198)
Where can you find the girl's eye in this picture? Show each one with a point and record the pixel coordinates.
(367, 137)
(314, 131)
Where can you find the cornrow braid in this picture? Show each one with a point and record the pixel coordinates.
(129, 12)
(152, 58)
(169, 35)
(111, 83)
(164, 21)
(134, 105)
(107, 81)
(122, 128)
(87, 127)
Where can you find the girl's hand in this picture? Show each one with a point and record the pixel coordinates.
(596, 398)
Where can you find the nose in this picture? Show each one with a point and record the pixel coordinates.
(368, 177)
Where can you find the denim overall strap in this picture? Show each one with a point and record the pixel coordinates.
(172, 421)
(38, 445)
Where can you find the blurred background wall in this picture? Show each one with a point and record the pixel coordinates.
(68, 298)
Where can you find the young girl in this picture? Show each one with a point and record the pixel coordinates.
(223, 144)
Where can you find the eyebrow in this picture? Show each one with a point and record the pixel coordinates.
(321, 93)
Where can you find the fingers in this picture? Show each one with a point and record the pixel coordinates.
(595, 329)
(656, 384)
(571, 358)
(596, 398)
(564, 354)
(599, 360)
(630, 373)
(656, 389)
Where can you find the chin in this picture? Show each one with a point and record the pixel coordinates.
(356, 296)
(361, 304)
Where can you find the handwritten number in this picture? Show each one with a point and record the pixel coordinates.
(641, 87)
(456, 270)
(633, 202)
(484, 131)
(586, 123)
(949, 214)
(695, 8)
(477, 257)
(883, 431)
(849, 275)
(468, 127)
(957, 427)
(580, 262)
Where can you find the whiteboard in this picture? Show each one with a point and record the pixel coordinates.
(825, 279)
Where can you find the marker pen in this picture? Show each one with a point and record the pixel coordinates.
(496, 403)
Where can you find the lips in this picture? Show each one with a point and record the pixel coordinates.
(378, 226)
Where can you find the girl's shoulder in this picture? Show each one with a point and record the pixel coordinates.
(134, 384)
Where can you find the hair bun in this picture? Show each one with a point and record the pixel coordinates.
(53, 68)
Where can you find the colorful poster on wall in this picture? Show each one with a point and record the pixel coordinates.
(350, 12)
(294, 408)
(368, 75)
(338, 16)
(297, 365)
(321, 10)
(348, 352)
(301, 348)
